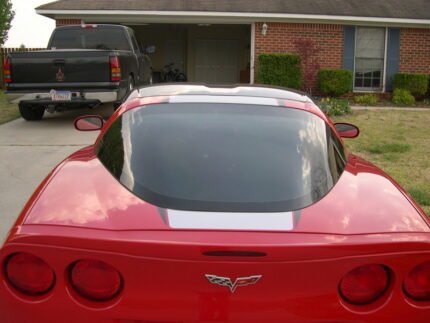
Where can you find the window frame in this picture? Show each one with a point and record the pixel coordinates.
(335, 168)
(80, 32)
(383, 87)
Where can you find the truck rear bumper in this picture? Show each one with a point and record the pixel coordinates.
(102, 96)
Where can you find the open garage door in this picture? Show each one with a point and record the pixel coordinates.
(213, 54)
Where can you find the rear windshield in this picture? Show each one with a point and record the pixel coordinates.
(223, 157)
(90, 38)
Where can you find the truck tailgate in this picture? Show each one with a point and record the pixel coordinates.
(60, 66)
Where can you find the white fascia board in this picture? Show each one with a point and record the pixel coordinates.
(226, 17)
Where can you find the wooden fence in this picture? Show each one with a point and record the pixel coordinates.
(3, 54)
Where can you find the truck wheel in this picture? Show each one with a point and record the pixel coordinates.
(30, 113)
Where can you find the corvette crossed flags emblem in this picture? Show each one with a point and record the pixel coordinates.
(241, 281)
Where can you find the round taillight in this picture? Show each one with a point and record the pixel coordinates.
(364, 284)
(29, 274)
(95, 280)
(417, 283)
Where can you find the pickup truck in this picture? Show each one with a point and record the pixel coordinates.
(84, 66)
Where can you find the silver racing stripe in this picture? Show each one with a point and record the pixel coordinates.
(223, 99)
(179, 219)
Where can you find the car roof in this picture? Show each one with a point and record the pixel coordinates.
(259, 91)
(228, 94)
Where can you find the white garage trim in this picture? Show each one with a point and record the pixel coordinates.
(252, 62)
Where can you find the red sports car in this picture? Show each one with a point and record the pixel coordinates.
(217, 204)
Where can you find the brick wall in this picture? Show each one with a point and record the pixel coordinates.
(280, 38)
(415, 50)
(65, 22)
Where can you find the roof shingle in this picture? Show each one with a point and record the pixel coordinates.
(410, 9)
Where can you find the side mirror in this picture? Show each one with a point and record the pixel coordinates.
(89, 123)
(150, 49)
(347, 130)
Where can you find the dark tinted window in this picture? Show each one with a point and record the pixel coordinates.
(90, 38)
(133, 40)
(223, 157)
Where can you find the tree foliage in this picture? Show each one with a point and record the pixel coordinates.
(308, 51)
(6, 16)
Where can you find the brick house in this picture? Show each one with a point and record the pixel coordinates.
(218, 41)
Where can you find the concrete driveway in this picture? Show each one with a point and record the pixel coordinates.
(29, 151)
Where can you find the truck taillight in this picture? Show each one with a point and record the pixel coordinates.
(115, 69)
(7, 70)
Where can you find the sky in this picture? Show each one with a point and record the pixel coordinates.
(29, 28)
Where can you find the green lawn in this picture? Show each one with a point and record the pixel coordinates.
(399, 143)
(8, 112)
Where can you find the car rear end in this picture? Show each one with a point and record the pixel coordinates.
(168, 277)
(137, 236)
(58, 77)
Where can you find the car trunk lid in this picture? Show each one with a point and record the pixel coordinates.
(362, 202)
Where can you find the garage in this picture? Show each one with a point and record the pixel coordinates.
(205, 53)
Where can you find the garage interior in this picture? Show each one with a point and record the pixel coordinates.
(205, 53)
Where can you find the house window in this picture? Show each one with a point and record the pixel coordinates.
(369, 59)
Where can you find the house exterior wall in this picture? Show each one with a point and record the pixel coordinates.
(280, 38)
(415, 50)
(65, 22)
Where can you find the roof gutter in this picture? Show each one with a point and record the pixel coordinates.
(224, 17)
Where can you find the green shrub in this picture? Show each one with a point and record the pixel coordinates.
(416, 84)
(335, 107)
(367, 99)
(334, 82)
(280, 69)
(403, 97)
